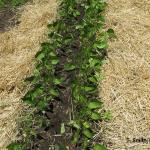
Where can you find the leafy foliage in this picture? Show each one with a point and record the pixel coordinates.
(73, 58)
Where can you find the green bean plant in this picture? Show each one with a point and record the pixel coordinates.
(68, 71)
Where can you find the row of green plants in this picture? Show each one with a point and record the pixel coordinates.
(72, 59)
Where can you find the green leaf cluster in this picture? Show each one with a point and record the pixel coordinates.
(79, 35)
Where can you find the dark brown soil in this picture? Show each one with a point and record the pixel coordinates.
(8, 19)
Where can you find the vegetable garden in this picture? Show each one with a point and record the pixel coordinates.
(80, 94)
(64, 87)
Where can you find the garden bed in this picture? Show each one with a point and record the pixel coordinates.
(64, 89)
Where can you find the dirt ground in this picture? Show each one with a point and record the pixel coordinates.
(126, 87)
(17, 49)
(8, 18)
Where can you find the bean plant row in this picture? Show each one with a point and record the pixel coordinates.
(65, 84)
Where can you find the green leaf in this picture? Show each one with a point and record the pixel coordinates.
(85, 143)
(95, 104)
(88, 88)
(101, 45)
(79, 27)
(95, 116)
(107, 115)
(76, 137)
(15, 146)
(75, 124)
(76, 13)
(69, 67)
(42, 104)
(58, 81)
(102, 18)
(67, 40)
(99, 147)
(36, 72)
(93, 79)
(94, 62)
(37, 91)
(62, 130)
(76, 92)
(28, 98)
(86, 124)
(55, 61)
(88, 133)
(40, 55)
(52, 54)
(54, 92)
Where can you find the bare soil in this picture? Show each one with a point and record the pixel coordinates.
(8, 19)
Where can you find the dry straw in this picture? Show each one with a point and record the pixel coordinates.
(126, 87)
(17, 49)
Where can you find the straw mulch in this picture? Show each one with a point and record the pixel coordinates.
(126, 87)
(17, 49)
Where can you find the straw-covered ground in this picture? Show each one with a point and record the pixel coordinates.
(126, 87)
(17, 49)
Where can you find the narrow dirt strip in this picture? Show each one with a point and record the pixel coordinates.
(17, 50)
(126, 87)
